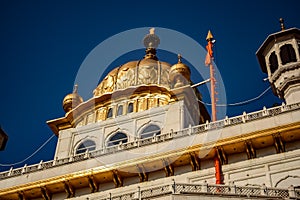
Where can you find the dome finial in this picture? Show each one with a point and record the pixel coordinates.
(151, 40)
(152, 31)
(209, 36)
(179, 58)
(281, 20)
(75, 90)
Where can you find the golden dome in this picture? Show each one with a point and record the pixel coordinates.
(180, 74)
(148, 71)
(72, 100)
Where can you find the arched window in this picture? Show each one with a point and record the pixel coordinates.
(273, 62)
(87, 145)
(287, 54)
(120, 110)
(117, 138)
(150, 131)
(109, 113)
(130, 108)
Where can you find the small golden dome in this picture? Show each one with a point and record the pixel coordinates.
(180, 74)
(72, 100)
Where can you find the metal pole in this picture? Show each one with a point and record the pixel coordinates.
(213, 93)
(210, 40)
(218, 167)
(200, 83)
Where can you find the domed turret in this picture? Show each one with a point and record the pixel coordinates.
(179, 74)
(72, 100)
(279, 57)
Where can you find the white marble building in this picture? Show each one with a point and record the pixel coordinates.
(144, 135)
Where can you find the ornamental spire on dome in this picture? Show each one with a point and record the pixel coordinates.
(75, 89)
(151, 42)
(152, 30)
(281, 20)
(179, 58)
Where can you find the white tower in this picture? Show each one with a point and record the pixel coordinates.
(279, 57)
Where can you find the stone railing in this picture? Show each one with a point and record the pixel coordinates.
(201, 189)
(244, 118)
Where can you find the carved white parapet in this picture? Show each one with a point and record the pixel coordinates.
(24, 169)
(232, 187)
(283, 107)
(173, 187)
(54, 161)
(292, 192)
(40, 164)
(206, 125)
(10, 171)
(204, 187)
(264, 190)
(244, 117)
(265, 111)
(226, 121)
(137, 195)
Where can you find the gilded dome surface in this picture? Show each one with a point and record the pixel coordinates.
(148, 71)
(72, 100)
(180, 74)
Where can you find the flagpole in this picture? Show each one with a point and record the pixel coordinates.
(213, 92)
(209, 61)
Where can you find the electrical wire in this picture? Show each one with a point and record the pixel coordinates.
(35, 152)
(239, 103)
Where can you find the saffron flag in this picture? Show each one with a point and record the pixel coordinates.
(207, 59)
(209, 55)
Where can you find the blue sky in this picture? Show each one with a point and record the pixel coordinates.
(43, 44)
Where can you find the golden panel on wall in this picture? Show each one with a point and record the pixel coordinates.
(142, 104)
(152, 102)
(101, 114)
(163, 101)
(90, 118)
(135, 105)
